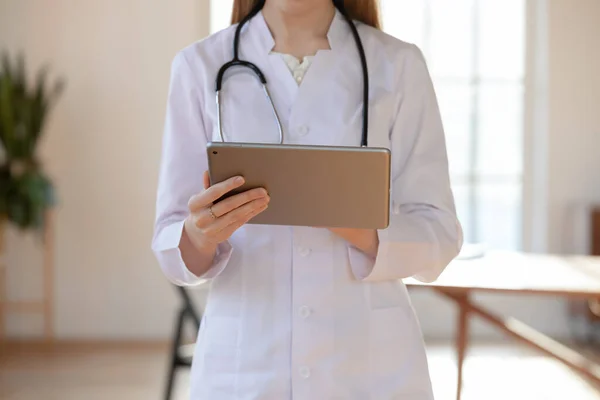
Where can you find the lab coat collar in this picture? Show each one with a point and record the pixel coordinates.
(338, 32)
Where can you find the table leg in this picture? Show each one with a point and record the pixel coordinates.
(520, 331)
(462, 338)
(529, 336)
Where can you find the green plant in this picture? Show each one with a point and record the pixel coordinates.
(25, 191)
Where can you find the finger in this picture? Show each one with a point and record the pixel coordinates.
(213, 223)
(205, 218)
(237, 224)
(213, 193)
(238, 215)
(233, 202)
(206, 180)
(217, 190)
(255, 213)
(223, 232)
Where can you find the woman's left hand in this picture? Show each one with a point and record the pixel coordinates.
(366, 240)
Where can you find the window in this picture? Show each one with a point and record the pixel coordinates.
(220, 14)
(475, 50)
(476, 56)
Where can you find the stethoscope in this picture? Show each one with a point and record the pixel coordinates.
(236, 62)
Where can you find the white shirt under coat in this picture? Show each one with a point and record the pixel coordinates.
(296, 312)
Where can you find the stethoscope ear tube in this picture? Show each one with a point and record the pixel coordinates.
(236, 41)
(339, 4)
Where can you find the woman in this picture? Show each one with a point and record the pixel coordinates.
(300, 312)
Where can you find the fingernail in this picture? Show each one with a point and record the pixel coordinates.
(239, 179)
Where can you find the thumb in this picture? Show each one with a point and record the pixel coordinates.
(206, 180)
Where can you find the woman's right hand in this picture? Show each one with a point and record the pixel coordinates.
(209, 224)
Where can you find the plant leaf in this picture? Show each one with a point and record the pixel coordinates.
(6, 69)
(6, 113)
(25, 192)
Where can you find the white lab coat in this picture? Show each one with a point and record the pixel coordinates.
(296, 312)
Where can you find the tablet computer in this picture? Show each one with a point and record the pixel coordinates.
(317, 186)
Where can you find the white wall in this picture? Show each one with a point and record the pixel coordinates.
(574, 110)
(103, 145)
(102, 149)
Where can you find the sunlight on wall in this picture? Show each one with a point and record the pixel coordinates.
(220, 14)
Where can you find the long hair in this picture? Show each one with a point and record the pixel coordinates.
(365, 11)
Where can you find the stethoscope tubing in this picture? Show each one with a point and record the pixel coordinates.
(236, 62)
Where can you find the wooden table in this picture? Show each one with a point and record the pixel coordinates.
(522, 274)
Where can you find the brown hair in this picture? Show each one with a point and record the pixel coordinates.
(365, 11)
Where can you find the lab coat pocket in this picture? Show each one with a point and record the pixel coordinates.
(398, 363)
(395, 368)
(388, 340)
(221, 354)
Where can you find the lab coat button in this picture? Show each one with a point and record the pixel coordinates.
(303, 251)
(303, 130)
(305, 372)
(304, 312)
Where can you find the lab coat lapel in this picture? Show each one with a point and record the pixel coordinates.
(320, 82)
(279, 78)
(280, 81)
(295, 104)
(324, 64)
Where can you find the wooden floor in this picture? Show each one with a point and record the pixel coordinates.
(137, 372)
